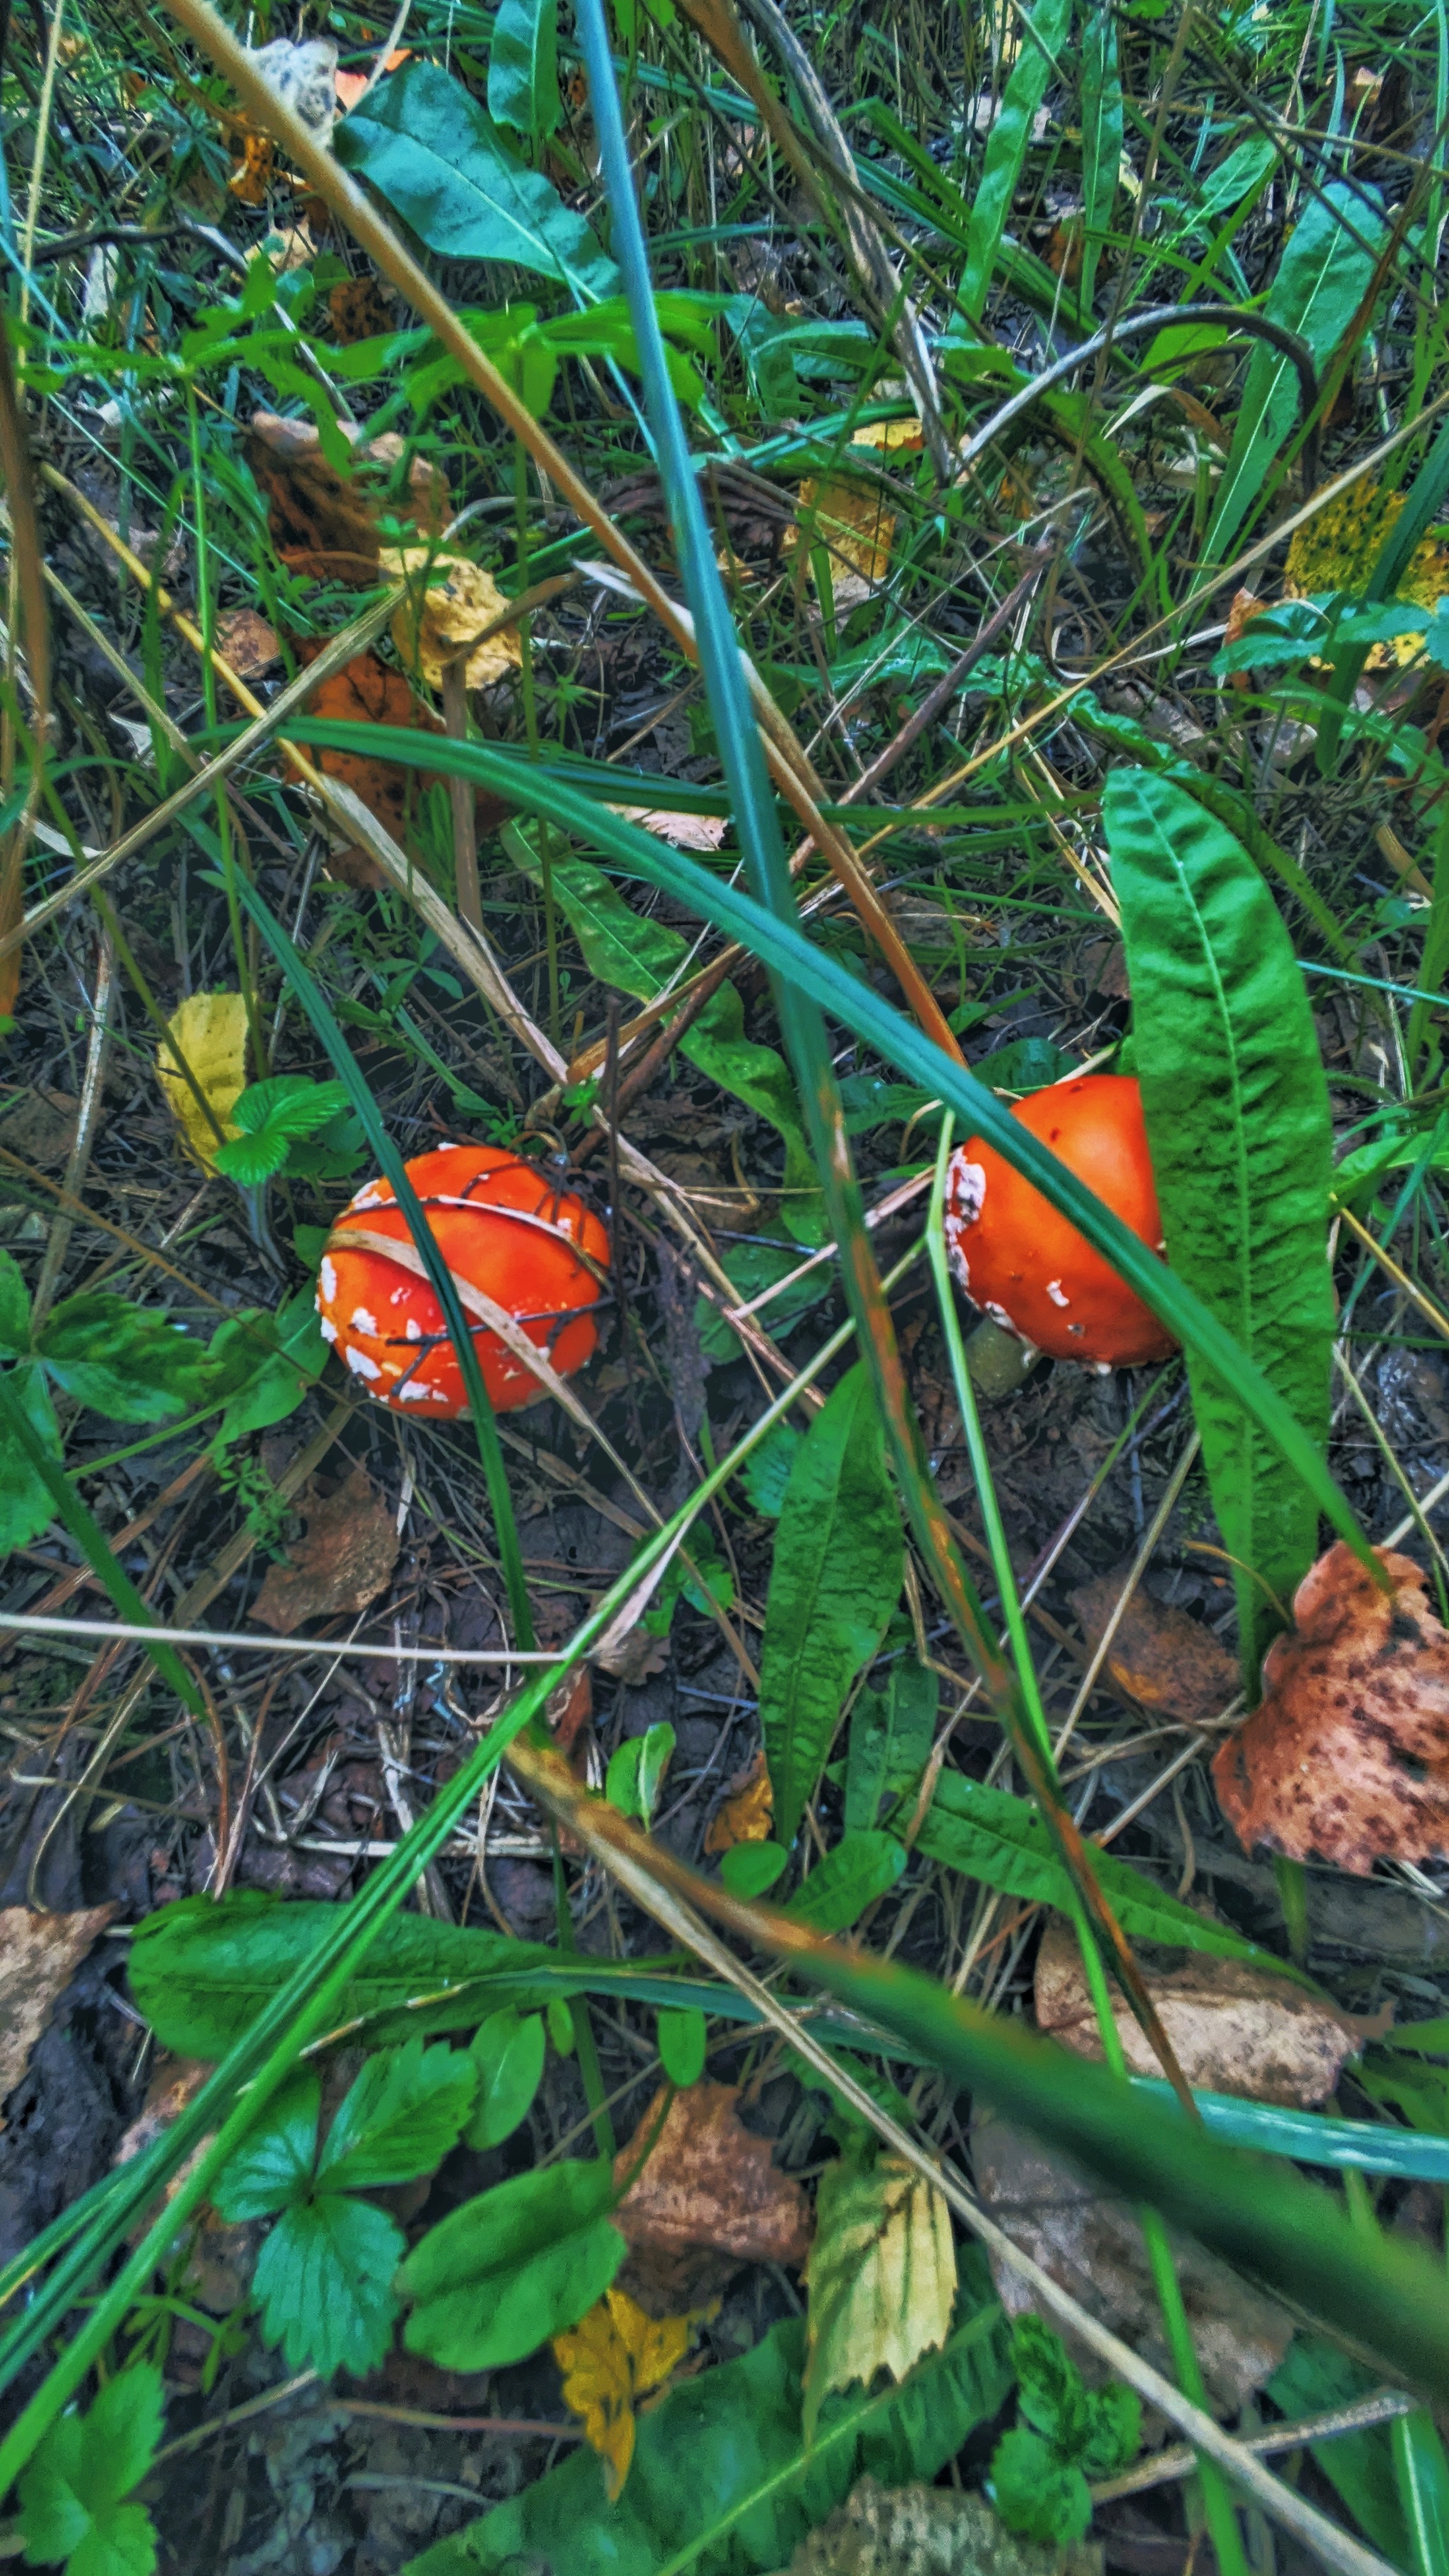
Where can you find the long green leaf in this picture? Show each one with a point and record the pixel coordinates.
(1043, 34)
(1321, 281)
(523, 68)
(834, 1582)
(426, 146)
(808, 972)
(722, 2478)
(1101, 136)
(1238, 1124)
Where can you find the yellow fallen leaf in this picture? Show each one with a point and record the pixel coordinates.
(613, 2356)
(449, 604)
(853, 524)
(886, 435)
(1336, 551)
(210, 1030)
(881, 2274)
(747, 1815)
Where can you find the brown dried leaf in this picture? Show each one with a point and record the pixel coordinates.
(686, 831)
(41, 1953)
(1166, 1659)
(1091, 2244)
(358, 308)
(748, 1810)
(635, 1656)
(709, 2183)
(1234, 2028)
(323, 521)
(365, 691)
(1347, 1757)
(247, 642)
(344, 1561)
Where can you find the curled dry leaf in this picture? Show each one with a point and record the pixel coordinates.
(305, 77)
(210, 1030)
(342, 1563)
(1092, 2245)
(1346, 1759)
(365, 691)
(324, 521)
(614, 2356)
(1234, 2028)
(881, 2273)
(39, 1955)
(451, 603)
(747, 1812)
(686, 831)
(1164, 1658)
(708, 2198)
(1243, 607)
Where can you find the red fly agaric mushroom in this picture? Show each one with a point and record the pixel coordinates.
(1021, 1261)
(505, 1230)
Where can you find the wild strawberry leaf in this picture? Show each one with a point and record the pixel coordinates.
(72, 2496)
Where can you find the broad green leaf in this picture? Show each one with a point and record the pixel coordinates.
(273, 2166)
(324, 2283)
(71, 2496)
(1043, 35)
(1321, 281)
(1238, 1124)
(130, 1362)
(1315, 2377)
(752, 1268)
(641, 956)
(201, 1972)
(400, 2118)
(497, 2277)
(834, 1582)
(682, 2040)
(1002, 1841)
(767, 1469)
(881, 2276)
(891, 1733)
(267, 1364)
(26, 1504)
(721, 2481)
(14, 1307)
(508, 2052)
(863, 1866)
(1101, 137)
(523, 68)
(428, 148)
(748, 1869)
(636, 1772)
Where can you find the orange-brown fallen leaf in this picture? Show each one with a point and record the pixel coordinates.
(614, 2356)
(358, 308)
(324, 521)
(250, 180)
(708, 2198)
(747, 1812)
(1347, 1757)
(365, 691)
(1163, 1657)
(247, 641)
(1243, 607)
(1234, 2028)
(340, 1565)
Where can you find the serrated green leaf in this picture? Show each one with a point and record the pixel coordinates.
(881, 2275)
(127, 1361)
(864, 1865)
(1036, 2491)
(401, 2117)
(891, 1733)
(428, 148)
(26, 1505)
(324, 2281)
(273, 2167)
(273, 1116)
(835, 1579)
(1236, 1105)
(71, 2496)
(508, 2052)
(497, 2277)
(989, 1835)
(523, 86)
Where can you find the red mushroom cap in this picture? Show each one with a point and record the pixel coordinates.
(504, 1227)
(1021, 1261)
